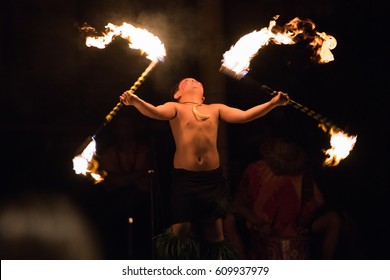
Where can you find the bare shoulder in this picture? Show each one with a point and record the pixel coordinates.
(216, 106)
(170, 104)
(220, 107)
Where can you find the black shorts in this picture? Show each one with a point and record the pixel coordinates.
(198, 196)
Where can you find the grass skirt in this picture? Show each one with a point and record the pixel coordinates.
(170, 247)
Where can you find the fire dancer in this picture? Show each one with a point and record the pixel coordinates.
(199, 196)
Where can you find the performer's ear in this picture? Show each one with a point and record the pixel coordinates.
(177, 95)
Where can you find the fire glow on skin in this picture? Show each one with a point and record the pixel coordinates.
(182, 86)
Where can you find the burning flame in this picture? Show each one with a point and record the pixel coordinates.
(86, 164)
(341, 143)
(138, 38)
(237, 59)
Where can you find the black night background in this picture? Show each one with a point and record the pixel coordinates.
(55, 92)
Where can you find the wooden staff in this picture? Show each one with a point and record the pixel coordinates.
(133, 88)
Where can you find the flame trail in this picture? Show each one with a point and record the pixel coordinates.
(341, 143)
(85, 162)
(237, 59)
(138, 38)
(149, 45)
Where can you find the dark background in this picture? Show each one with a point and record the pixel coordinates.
(55, 92)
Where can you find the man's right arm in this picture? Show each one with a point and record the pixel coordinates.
(165, 111)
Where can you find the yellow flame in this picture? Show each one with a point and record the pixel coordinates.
(237, 59)
(138, 38)
(341, 145)
(86, 164)
(324, 43)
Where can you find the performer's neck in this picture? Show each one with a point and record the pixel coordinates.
(190, 102)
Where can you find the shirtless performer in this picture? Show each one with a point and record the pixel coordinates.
(199, 195)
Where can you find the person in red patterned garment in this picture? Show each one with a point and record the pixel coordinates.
(279, 201)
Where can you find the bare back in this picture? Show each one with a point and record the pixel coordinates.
(195, 139)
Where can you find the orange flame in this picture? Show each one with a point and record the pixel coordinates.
(138, 38)
(341, 143)
(323, 43)
(86, 164)
(238, 58)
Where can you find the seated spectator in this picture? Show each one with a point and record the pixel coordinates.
(282, 207)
